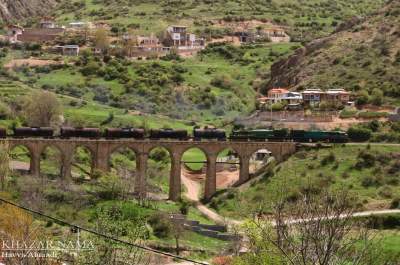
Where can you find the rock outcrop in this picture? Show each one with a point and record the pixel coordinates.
(362, 54)
(14, 10)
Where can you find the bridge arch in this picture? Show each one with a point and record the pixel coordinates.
(21, 156)
(228, 167)
(51, 161)
(160, 159)
(82, 161)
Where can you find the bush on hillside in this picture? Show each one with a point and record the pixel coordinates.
(391, 221)
(161, 225)
(328, 159)
(359, 134)
(377, 97)
(362, 97)
(5, 111)
(222, 81)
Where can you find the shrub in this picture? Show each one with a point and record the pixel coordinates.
(159, 154)
(184, 207)
(391, 221)
(328, 159)
(395, 204)
(365, 159)
(371, 115)
(370, 181)
(385, 192)
(346, 114)
(5, 111)
(345, 175)
(359, 134)
(110, 187)
(377, 97)
(54, 195)
(161, 225)
(222, 81)
(90, 69)
(362, 97)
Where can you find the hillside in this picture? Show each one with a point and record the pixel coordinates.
(370, 172)
(304, 19)
(13, 10)
(362, 57)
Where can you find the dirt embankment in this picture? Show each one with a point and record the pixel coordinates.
(30, 63)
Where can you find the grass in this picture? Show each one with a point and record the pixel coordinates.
(194, 155)
(306, 169)
(314, 17)
(197, 76)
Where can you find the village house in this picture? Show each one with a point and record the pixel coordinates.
(40, 35)
(13, 32)
(337, 96)
(79, 25)
(272, 34)
(276, 95)
(180, 38)
(313, 97)
(151, 43)
(47, 31)
(47, 23)
(70, 50)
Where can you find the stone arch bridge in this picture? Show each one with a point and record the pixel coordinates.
(101, 150)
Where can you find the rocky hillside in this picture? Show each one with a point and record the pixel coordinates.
(362, 54)
(12, 10)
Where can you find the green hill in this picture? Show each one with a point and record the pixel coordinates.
(363, 57)
(306, 19)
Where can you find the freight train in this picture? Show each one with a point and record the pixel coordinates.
(198, 134)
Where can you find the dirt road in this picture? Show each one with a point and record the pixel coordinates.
(18, 165)
(193, 184)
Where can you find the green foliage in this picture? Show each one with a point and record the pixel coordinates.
(161, 225)
(109, 187)
(359, 134)
(362, 97)
(390, 221)
(364, 170)
(222, 81)
(377, 97)
(328, 159)
(5, 111)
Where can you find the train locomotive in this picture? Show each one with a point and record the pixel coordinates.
(290, 135)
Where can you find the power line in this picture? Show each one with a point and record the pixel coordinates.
(102, 235)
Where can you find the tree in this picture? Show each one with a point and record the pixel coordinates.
(362, 97)
(18, 226)
(113, 221)
(377, 97)
(359, 134)
(42, 109)
(101, 40)
(320, 231)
